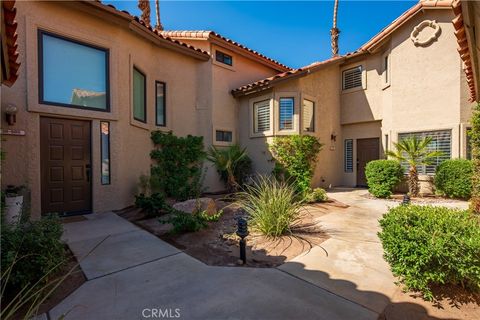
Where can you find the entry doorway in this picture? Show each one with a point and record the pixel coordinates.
(367, 150)
(65, 161)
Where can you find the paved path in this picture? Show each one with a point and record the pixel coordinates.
(130, 272)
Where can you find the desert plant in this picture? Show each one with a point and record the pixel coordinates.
(151, 205)
(296, 157)
(190, 222)
(382, 176)
(232, 163)
(40, 242)
(428, 245)
(178, 164)
(316, 195)
(415, 152)
(273, 206)
(453, 178)
(475, 144)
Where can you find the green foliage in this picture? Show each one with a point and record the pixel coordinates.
(316, 195)
(34, 248)
(382, 176)
(453, 178)
(475, 144)
(232, 163)
(273, 206)
(415, 152)
(178, 164)
(295, 158)
(428, 245)
(153, 205)
(190, 222)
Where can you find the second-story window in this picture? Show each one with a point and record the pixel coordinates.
(139, 96)
(160, 104)
(308, 116)
(286, 113)
(223, 58)
(352, 78)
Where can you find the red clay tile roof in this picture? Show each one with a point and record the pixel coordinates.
(9, 13)
(134, 19)
(204, 35)
(463, 49)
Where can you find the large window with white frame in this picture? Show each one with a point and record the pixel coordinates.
(72, 73)
(441, 141)
(352, 78)
(308, 116)
(285, 113)
(261, 116)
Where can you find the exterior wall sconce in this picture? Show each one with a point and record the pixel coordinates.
(333, 137)
(11, 114)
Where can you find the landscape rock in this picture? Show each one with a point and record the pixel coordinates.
(194, 205)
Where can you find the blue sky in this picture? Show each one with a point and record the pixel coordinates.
(295, 33)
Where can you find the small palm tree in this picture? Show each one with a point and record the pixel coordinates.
(415, 152)
(232, 163)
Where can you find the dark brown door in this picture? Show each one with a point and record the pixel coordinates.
(65, 165)
(367, 150)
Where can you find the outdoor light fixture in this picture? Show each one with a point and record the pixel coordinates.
(242, 232)
(11, 114)
(406, 199)
(333, 137)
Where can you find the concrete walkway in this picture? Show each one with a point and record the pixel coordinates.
(132, 274)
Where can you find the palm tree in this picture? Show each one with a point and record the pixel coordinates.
(334, 32)
(232, 163)
(415, 152)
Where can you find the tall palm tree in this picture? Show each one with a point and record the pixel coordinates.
(334, 32)
(415, 152)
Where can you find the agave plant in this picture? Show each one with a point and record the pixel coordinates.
(232, 163)
(415, 152)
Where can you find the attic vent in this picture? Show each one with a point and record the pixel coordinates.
(352, 78)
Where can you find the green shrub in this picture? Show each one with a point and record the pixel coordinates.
(233, 165)
(382, 176)
(316, 195)
(453, 178)
(295, 158)
(190, 222)
(34, 248)
(428, 246)
(178, 164)
(153, 205)
(273, 206)
(475, 145)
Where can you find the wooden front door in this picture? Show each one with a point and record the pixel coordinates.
(65, 166)
(367, 150)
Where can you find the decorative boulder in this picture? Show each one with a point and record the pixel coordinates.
(196, 205)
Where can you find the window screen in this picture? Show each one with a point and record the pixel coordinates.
(286, 113)
(308, 116)
(348, 157)
(261, 112)
(352, 78)
(441, 141)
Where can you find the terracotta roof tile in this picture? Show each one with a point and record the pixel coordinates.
(9, 13)
(203, 34)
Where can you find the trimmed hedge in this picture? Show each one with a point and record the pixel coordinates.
(428, 245)
(382, 176)
(453, 178)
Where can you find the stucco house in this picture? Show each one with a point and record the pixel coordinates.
(89, 93)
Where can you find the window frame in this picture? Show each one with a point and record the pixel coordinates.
(255, 117)
(144, 95)
(41, 100)
(386, 70)
(293, 114)
(362, 78)
(223, 54)
(109, 155)
(164, 104)
(313, 116)
(345, 169)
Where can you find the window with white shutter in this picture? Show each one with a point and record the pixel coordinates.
(261, 114)
(308, 116)
(441, 141)
(286, 113)
(352, 78)
(348, 155)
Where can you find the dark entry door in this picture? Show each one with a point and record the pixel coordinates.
(65, 165)
(367, 150)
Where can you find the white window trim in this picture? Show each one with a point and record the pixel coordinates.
(223, 143)
(251, 116)
(315, 113)
(296, 112)
(364, 77)
(386, 84)
(220, 64)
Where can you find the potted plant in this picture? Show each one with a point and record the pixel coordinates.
(13, 204)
